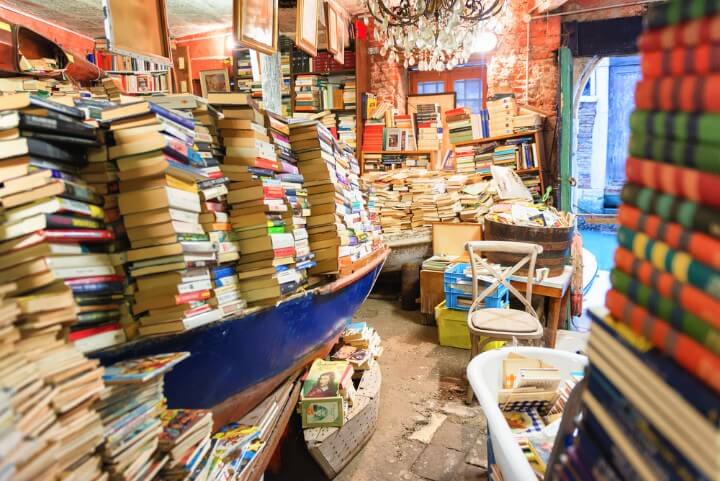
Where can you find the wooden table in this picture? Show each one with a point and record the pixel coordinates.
(555, 289)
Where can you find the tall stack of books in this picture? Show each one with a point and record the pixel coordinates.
(459, 125)
(53, 224)
(259, 212)
(244, 76)
(308, 92)
(506, 156)
(653, 386)
(350, 93)
(132, 408)
(405, 124)
(346, 129)
(483, 157)
(159, 201)
(465, 159)
(501, 110)
(429, 127)
(336, 226)
(296, 195)
(51, 429)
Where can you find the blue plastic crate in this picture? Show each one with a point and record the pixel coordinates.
(457, 285)
(462, 302)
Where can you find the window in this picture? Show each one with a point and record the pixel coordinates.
(431, 87)
(468, 93)
(468, 83)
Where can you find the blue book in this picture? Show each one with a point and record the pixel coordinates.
(173, 116)
(222, 271)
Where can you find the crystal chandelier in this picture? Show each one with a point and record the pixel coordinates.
(432, 34)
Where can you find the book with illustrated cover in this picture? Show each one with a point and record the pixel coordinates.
(142, 369)
(180, 423)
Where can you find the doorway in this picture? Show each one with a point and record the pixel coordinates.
(606, 99)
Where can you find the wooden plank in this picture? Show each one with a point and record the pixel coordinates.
(432, 291)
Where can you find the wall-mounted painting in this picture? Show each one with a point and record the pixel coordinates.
(138, 27)
(255, 24)
(212, 81)
(306, 26)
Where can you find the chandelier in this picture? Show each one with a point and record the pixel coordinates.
(432, 34)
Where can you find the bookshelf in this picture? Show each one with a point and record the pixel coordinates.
(133, 75)
(471, 151)
(336, 87)
(367, 158)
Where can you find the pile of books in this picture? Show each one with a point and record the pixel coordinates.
(51, 429)
(465, 159)
(132, 407)
(346, 130)
(160, 205)
(53, 228)
(327, 392)
(506, 155)
(350, 93)
(339, 222)
(260, 214)
(373, 135)
(360, 346)
(185, 439)
(308, 92)
(429, 127)
(459, 125)
(476, 200)
(501, 110)
(650, 408)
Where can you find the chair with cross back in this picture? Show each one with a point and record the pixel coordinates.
(492, 324)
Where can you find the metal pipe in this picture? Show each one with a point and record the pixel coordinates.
(595, 9)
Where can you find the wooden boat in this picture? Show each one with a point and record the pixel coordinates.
(236, 363)
(334, 448)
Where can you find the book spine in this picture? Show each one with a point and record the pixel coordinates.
(83, 194)
(690, 354)
(686, 94)
(56, 221)
(693, 155)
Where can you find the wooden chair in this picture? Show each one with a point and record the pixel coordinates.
(491, 324)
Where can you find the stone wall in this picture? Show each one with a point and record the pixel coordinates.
(584, 153)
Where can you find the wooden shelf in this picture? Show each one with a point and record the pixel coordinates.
(339, 72)
(487, 140)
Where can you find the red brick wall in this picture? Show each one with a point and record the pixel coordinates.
(388, 80)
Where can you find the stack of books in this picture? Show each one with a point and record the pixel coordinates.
(650, 408)
(373, 135)
(308, 92)
(185, 439)
(47, 390)
(527, 152)
(53, 228)
(338, 223)
(459, 125)
(296, 196)
(346, 130)
(332, 95)
(350, 93)
(501, 110)
(360, 346)
(506, 156)
(159, 201)
(465, 159)
(259, 214)
(243, 72)
(429, 127)
(372, 162)
(405, 124)
(132, 407)
(476, 200)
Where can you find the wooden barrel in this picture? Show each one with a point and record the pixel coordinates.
(556, 243)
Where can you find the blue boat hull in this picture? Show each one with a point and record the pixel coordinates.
(235, 363)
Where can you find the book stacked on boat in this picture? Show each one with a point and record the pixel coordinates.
(360, 346)
(185, 438)
(327, 392)
(132, 407)
(260, 214)
(651, 404)
(160, 205)
(338, 224)
(47, 390)
(53, 228)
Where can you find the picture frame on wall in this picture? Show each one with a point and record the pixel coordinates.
(331, 28)
(255, 24)
(138, 28)
(306, 26)
(340, 26)
(212, 81)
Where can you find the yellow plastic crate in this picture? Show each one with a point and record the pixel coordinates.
(453, 329)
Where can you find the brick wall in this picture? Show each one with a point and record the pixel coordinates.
(388, 80)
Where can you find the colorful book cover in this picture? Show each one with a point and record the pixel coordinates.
(325, 378)
(178, 422)
(142, 369)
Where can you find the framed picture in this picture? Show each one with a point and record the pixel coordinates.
(214, 81)
(340, 28)
(255, 24)
(322, 412)
(306, 26)
(138, 27)
(332, 30)
(393, 139)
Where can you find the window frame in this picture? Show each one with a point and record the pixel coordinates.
(448, 77)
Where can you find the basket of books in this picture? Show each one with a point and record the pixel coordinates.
(522, 391)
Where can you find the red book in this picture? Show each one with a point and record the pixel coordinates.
(690, 184)
(93, 280)
(267, 164)
(284, 252)
(688, 34)
(192, 297)
(685, 94)
(698, 60)
(92, 331)
(457, 111)
(687, 352)
(214, 207)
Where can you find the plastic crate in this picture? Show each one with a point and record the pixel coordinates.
(462, 302)
(453, 329)
(457, 285)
